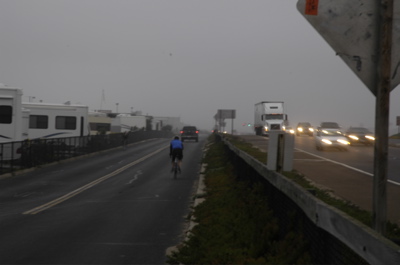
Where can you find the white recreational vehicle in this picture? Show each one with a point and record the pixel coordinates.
(127, 122)
(25, 120)
(100, 123)
(13, 118)
(56, 120)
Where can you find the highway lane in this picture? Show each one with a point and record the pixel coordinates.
(343, 173)
(117, 207)
(359, 156)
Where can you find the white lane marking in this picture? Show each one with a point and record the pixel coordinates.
(353, 168)
(135, 177)
(89, 185)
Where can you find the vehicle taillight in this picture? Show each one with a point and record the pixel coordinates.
(197, 131)
(181, 131)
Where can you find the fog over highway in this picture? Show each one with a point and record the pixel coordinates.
(181, 58)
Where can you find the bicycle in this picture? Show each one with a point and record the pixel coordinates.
(175, 168)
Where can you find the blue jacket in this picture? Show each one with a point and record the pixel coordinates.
(176, 144)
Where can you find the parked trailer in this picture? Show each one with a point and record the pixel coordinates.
(99, 123)
(13, 122)
(13, 118)
(21, 121)
(56, 120)
(127, 122)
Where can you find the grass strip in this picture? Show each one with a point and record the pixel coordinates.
(235, 224)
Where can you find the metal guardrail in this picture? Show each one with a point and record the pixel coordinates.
(335, 238)
(31, 153)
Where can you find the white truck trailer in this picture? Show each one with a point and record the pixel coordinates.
(269, 116)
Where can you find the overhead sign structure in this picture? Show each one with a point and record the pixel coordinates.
(223, 114)
(226, 114)
(351, 29)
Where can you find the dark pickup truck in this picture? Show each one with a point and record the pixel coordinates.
(189, 133)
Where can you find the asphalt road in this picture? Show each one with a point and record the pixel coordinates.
(117, 207)
(359, 157)
(347, 175)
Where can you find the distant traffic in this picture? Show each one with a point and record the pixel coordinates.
(329, 135)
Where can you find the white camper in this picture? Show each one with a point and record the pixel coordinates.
(48, 120)
(269, 116)
(126, 122)
(100, 123)
(25, 120)
(13, 118)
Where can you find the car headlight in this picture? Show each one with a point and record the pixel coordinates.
(300, 129)
(370, 137)
(353, 137)
(326, 141)
(311, 129)
(343, 142)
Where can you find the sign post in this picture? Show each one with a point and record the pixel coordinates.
(384, 52)
(362, 34)
(223, 114)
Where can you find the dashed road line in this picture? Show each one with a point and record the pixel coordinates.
(89, 185)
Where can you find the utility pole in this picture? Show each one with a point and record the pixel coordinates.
(384, 53)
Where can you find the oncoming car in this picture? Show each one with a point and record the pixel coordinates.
(331, 139)
(304, 128)
(290, 130)
(360, 135)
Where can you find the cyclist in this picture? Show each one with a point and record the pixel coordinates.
(176, 150)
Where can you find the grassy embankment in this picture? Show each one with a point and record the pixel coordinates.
(235, 225)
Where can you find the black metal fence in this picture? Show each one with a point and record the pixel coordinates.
(31, 153)
(333, 237)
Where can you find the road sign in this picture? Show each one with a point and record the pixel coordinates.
(226, 114)
(350, 28)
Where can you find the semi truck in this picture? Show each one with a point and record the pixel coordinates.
(269, 116)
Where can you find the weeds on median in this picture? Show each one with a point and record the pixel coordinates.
(235, 225)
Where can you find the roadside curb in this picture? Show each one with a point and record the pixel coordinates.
(198, 199)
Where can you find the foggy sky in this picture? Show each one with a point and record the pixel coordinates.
(180, 58)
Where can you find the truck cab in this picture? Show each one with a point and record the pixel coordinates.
(269, 116)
